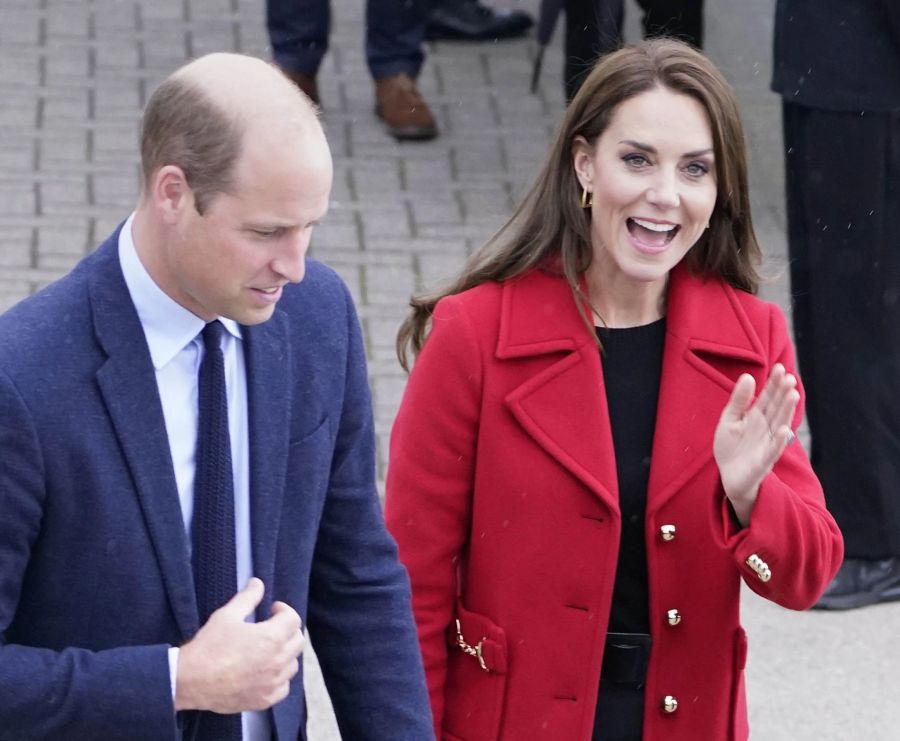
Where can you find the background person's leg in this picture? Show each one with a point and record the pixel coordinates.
(298, 31)
(395, 32)
(680, 18)
(593, 28)
(843, 189)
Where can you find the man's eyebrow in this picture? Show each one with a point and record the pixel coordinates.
(652, 150)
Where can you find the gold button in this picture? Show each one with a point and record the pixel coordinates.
(674, 617)
(667, 532)
(760, 567)
(670, 704)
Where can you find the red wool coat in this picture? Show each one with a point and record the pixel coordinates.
(502, 495)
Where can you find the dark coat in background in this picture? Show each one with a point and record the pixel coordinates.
(838, 55)
(837, 68)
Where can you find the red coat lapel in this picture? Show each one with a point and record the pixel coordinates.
(709, 343)
(561, 403)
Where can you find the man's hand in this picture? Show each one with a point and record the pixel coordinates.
(232, 666)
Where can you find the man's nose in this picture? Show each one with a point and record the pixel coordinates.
(290, 262)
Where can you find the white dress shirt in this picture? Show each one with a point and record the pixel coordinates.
(176, 349)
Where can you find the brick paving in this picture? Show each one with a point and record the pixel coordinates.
(75, 74)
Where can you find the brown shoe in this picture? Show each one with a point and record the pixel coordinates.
(400, 105)
(306, 83)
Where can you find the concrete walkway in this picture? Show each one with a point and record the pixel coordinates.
(74, 75)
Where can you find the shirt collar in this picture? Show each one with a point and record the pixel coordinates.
(168, 326)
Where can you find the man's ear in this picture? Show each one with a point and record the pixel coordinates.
(583, 162)
(170, 193)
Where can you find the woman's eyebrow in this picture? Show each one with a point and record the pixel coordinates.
(652, 150)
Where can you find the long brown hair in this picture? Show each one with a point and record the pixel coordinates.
(550, 227)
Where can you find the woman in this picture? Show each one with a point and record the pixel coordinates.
(581, 470)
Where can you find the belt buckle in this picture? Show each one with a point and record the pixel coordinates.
(625, 660)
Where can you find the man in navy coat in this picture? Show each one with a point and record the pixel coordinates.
(101, 637)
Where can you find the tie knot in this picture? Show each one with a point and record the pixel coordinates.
(212, 335)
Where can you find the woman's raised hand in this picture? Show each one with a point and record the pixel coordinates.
(751, 436)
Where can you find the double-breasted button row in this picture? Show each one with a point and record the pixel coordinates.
(673, 616)
(760, 567)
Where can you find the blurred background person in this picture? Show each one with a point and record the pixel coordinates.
(594, 28)
(395, 30)
(470, 20)
(837, 68)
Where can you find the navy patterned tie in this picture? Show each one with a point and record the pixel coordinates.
(212, 530)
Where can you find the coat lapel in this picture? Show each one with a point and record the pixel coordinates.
(268, 360)
(128, 386)
(562, 403)
(709, 343)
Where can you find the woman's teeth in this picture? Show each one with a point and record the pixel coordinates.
(654, 227)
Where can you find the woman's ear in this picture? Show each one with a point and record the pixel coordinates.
(583, 162)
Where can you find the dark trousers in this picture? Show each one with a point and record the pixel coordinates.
(594, 27)
(843, 207)
(395, 30)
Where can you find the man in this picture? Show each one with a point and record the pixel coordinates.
(186, 454)
(836, 68)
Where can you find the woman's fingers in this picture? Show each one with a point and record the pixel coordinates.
(771, 389)
(784, 403)
(778, 391)
(740, 399)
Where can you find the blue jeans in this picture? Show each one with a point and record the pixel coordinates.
(395, 30)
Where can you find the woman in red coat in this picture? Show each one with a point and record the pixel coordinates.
(596, 444)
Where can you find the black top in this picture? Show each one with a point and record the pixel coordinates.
(632, 366)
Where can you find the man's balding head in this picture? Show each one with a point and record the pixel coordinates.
(199, 118)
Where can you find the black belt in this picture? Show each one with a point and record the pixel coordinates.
(625, 660)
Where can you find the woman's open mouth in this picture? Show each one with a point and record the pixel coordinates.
(650, 236)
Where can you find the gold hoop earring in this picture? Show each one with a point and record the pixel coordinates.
(587, 198)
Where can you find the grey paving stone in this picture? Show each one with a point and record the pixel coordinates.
(59, 192)
(15, 252)
(22, 24)
(390, 219)
(63, 147)
(17, 199)
(62, 243)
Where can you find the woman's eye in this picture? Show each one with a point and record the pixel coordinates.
(635, 160)
(696, 169)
